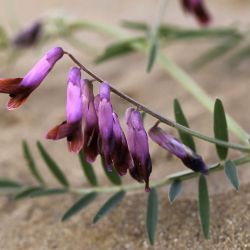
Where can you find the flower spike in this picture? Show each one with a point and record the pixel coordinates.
(175, 147)
(105, 122)
(138, 147)
(91, 130)
(122, 160)
(72, 127)
(20, 88)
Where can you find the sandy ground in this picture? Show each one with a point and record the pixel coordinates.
(35, 224)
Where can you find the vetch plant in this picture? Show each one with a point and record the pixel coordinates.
(92, 128)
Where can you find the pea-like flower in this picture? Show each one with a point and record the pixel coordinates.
(72, 127)
(138, 147)
(122, 160)
(91, 130)
(105, 123)
(28, 36)
(197, 8)
(175, 147)
(20, 88)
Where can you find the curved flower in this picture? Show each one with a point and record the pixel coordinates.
(72, 127)
(122, 160)
(91, 131)
(20, 88)
(138, 147)
(175, 147)
(197, 8)
(29, 36)
(105, 123)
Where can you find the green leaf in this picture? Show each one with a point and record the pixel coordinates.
(240, 56)
(25, 193)
(51, 164)
(6, 183)
(180, 118)
(174, 190)
(48, 192)
(220, 128)
(109, 205)
(204, 207)
(175, 32)
(153, 52)
(31, 163)
(79, 205)
(152, 215)
(112, 176)
(217, 52)
(232, 174)
(4, 41)
(118, 49)
(88, 169)
(135, 25)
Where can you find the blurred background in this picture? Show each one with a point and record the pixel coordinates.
(34, 224)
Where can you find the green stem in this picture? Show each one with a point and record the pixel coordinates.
(174, 71)
(182, 176)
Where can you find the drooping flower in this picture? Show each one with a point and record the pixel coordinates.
(175, 147)
(28, 36)
(122, 160)
(20, 88)
(91, 130)
(198, 9)
(138, 147)
(105, 123)
(72, 127)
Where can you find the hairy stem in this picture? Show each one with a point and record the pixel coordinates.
(158, 116)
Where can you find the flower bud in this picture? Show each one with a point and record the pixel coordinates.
(20, 88)
(72, 127)
(138, 147)
(175, 147)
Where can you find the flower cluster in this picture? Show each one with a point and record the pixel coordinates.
(198, 9)
(102, 134)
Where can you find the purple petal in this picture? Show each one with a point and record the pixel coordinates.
(138, 147)
(42, 68)
(122, 159)
(167, 142)
(175, 147)
(104, 91)
(198, 9)
(74, 97)
(105, 123)
(91, 131)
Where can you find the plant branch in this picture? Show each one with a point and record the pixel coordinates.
(158, 116)
(172, 69)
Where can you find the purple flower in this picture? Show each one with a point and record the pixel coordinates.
(105, 123)
(91, 130)
(175, 147)
(122, 160)
(20, 88)
(197, 8)
(72, 127)
(29, 36)
(138, 147)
